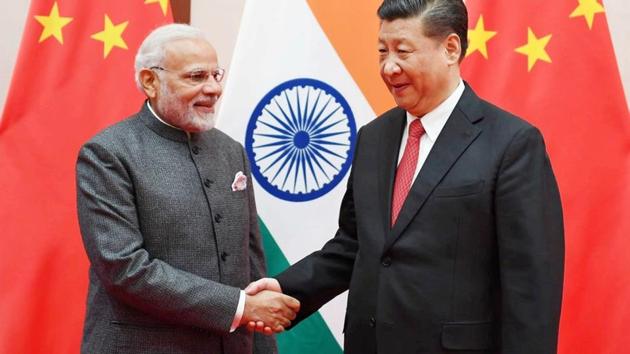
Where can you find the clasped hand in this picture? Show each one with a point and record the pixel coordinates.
(267, 310)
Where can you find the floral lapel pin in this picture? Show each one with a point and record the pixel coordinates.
(240, 182)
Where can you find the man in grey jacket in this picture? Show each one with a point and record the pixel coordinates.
(168, 217)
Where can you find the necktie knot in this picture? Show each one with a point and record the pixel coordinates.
(416, 129)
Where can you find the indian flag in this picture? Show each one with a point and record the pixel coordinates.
(296, 108)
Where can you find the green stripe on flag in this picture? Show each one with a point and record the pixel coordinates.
(311, 336)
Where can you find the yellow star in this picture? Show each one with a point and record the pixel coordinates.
(535, 49)
(163, 4)
(588, 9)
(111, 36)
(478, 38)
(53, 23)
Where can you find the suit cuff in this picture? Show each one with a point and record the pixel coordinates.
(239, 312)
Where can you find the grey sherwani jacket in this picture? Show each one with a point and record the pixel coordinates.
(169, 243)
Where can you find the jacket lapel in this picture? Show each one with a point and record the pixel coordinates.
(389, 146)
(458, 133)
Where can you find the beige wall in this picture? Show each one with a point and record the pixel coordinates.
(618, 12)
(220, 20)
(12, 19)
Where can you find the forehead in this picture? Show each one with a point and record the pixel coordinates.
(182, 53)
(401, 30)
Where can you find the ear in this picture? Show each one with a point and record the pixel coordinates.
(150, 82)
(453, 46)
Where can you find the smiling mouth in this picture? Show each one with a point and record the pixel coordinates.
(205, 106)
(398, 88)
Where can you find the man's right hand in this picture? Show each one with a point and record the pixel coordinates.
(263, 284)
(274, 309)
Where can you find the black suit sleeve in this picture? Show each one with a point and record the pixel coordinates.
(531, 247)
(324, 274)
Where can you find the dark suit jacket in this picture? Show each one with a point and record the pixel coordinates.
(169, 242)
(474, 263)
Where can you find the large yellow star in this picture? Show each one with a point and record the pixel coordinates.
(163, 4)
(478, 38)
(588, 9)
(111, 36)
(535, 49)
(53, 23)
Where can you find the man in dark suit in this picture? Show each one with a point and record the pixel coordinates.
(168, 218)
(450, 234)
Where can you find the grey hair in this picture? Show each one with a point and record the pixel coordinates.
(152, 50)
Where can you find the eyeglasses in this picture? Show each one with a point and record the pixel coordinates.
(196, 77)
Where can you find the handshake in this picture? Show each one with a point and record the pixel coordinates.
(267, 310)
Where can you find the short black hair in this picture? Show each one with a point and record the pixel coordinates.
(439, 17)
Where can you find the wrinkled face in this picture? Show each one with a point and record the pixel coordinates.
(419, 71)
(183, 100)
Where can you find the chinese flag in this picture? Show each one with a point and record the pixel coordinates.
(552, 63)
(74, 76)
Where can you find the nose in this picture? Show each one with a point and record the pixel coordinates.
(212, 87)
(390, 67)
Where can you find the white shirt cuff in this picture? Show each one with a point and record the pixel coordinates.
(239, 312)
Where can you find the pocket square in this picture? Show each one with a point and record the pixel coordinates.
(240, 182)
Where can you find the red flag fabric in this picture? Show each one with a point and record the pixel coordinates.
(74, 75)
(552, 62)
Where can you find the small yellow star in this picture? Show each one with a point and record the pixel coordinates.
(53, 23)
(588, 9)
(535, 49)
(111, 36)
(478, 38)
(163, 4)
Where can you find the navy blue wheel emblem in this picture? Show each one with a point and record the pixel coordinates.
(300, 140)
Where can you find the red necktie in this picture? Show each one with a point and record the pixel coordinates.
(406, 168)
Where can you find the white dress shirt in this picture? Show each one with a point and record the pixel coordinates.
(433, 122)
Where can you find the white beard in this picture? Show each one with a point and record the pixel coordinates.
(181, 115)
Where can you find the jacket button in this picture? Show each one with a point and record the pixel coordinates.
(207, 182)
(224, 256)
(386, 262)
(372, 322)
(218, 218)
(195, 150)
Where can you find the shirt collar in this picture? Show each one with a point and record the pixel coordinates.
(157, 117)
(434, 121)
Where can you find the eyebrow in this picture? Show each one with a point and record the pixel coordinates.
(395, 41)
(197, 67)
